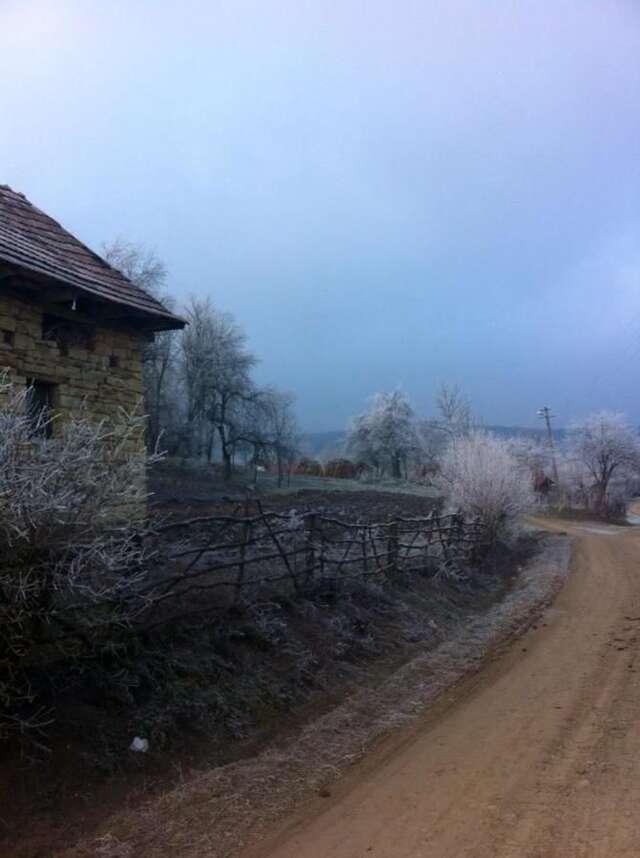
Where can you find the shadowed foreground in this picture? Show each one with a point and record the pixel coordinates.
(536, 756)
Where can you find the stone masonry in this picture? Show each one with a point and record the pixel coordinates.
(105, 373)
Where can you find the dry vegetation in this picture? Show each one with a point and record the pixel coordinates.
(214, 810)
(210, 692)
(208, 637)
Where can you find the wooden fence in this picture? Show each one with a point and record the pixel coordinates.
(252, 551)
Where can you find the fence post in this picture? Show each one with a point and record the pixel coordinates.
(428, 534)
(392, 546)
(246, 533)
(453, 532)
(283, 554)
(310, 527)
(365, 553)
(442, 540)
(459, 543)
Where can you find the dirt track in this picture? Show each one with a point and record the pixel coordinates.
(537, 756)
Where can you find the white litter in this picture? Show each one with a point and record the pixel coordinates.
(139, 744)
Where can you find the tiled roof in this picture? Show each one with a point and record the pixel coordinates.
(31, 240)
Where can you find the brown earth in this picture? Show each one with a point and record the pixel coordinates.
(538, 755)
(534, 754)
(217, 809)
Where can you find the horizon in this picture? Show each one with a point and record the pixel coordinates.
(480, 425)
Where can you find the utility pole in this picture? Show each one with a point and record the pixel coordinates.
(545, 414)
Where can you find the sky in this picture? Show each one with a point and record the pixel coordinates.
(385, 193)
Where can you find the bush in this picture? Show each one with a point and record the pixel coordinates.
(70, 535)
(342, 469)
(308, 468)
(479, 476)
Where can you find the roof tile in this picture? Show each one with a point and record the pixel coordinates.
(32, 240)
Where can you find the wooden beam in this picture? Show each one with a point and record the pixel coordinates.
(58, 299)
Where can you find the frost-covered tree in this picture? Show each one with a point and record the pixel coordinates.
(385, 436)
(480, 476)
(268, 430)
(454, 411)
(144, 268)
(281, 425)
(216, 367)
(575, 483)
(536, 459)
(453, 420)
(607, 447)
(139, 264)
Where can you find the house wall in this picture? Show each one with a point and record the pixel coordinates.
(83, 374)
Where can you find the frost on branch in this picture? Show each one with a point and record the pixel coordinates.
(604, 451)
(385, 437)
(481, 477)
(71, 520)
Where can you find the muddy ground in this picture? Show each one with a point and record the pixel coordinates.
(182, 491)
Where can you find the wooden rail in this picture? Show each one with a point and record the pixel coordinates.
(256, 549)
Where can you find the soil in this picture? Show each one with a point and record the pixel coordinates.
(179, 492)
(66, 799)
(537, 757)
(532, 755)
(215, 811)
(349, 506)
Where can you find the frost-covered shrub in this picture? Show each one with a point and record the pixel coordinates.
(72, 564)
(480, 476)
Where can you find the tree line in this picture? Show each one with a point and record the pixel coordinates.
(202, 402)
(597, 467)
(200, 396)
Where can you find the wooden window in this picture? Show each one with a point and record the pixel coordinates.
(39, 405)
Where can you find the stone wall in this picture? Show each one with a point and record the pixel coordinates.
(105, 375)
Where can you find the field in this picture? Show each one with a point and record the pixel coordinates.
(184, 486)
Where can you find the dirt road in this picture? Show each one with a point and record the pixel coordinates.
(538, 756)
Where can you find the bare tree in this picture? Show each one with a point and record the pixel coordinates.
(454, 420)
(605, 445)
(268, 430)
(147, 271)
(139, 264)
(216, 367)
(454, 411)
(282, 428)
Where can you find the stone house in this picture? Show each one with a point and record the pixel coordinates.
(72, 328)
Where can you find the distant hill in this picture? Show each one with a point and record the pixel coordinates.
(317, 443)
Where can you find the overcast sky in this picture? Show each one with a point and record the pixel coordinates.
(384, 192)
